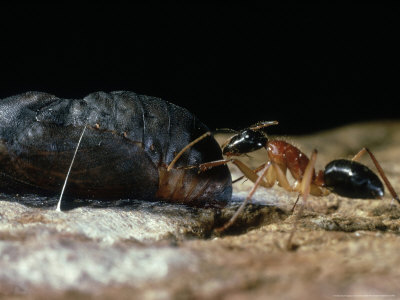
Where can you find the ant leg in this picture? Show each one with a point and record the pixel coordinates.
(203, 136)
(211, 164)
(275, 172)
(359, 154)
(256, 170)
(295, 203)
(248, 172)
(380, 171)
(283, 182)
(305, 187)
(240, 209)
(251, 175)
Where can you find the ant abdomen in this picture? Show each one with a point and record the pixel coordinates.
(351, 179)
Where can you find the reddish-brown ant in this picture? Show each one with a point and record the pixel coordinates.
(347, 178)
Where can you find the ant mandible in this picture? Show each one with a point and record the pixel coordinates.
(347, 178)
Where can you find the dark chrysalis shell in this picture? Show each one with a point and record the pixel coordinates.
(129, 141)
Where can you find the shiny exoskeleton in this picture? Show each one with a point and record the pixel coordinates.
(353, 180)
(129, 141)
(347, 178)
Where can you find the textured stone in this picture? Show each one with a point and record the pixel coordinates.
(344, 247)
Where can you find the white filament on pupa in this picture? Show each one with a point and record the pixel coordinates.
(69, 170)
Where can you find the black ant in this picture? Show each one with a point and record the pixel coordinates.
(343, 177)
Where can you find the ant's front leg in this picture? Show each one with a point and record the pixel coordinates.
(263, 180)
(249, 196)
(250, 174)
(269, 174)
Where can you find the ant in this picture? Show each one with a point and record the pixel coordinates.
(347, 178)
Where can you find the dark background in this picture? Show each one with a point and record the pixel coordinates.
(233, 64)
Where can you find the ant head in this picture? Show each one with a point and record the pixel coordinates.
(247, 140)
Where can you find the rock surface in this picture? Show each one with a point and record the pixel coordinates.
(343, 247)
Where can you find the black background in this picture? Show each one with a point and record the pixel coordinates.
(231, 64)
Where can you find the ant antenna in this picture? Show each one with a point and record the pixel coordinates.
(224, 130)
(69, 170)
(263, 124)
(203, 136)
